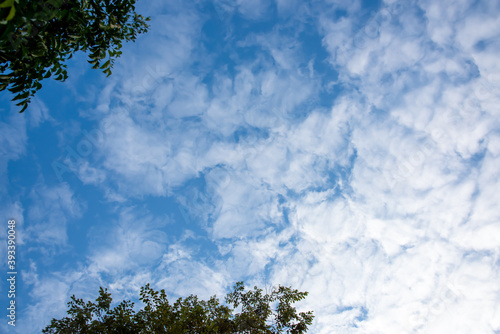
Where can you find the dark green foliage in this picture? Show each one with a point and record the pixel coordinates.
(38, 36)
(269, 313)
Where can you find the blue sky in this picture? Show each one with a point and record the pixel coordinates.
(346, 148)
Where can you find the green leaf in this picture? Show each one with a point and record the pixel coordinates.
(50, 31)
(25, 106)
(106, 64)
(7, 3)
(11, 13)
(16, 89)
(21, 96)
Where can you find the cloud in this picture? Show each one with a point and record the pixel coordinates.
(13, 140)
(253, 9)
(48, 215)
(382, 204)
(134, 240)
(371, 206)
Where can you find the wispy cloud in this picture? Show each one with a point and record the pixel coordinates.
(48, 215)
(346, 149)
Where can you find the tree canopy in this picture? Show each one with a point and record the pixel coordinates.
(244, 311)
(38, 36)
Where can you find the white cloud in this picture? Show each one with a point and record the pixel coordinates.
(50, 294)
(135, 240)
(13, 140)
(49, 214)
(384, 207)
(253, 9)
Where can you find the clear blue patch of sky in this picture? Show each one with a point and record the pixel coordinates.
(371, 5)
(250, 133)
(175, 215)
(314, 50)
(42, 149)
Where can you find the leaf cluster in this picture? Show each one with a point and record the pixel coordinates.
(38, 36)
(269, 313)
